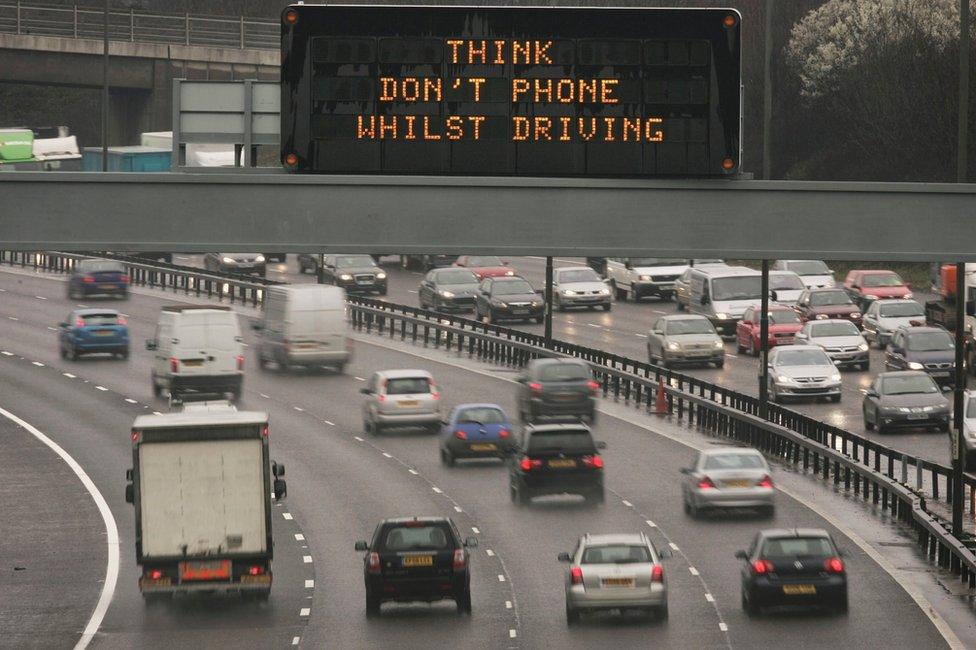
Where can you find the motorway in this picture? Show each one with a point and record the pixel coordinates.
(342, 482)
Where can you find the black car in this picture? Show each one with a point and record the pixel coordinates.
(556, 387)
(417, 559)
(508, 298)
(555, 459)
(799, 566)
(354, 273)
(923, 348)
(907, 398)
(448, 290)
(98, 278)
(427, 262)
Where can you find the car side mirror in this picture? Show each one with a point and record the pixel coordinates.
(540, 292)
(871, 392)
(505, 262)
(256, 326)
(741, 555)
(685, 470)
(564, 557)
(278, 469)
(627, 264)
(600, 444)
(471, 542)
(362, 546)
(365, 391)
(280, 489)
(63, 324)
(773, 295)
(664, 553)
(151, 344)
(946, 389)
(130, 493)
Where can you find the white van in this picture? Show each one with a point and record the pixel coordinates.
(723, 293)
(198, 349)
(305, 325)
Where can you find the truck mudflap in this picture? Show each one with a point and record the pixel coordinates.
(250, 584)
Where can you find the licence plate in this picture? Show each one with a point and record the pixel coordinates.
(483, 447)
(408, 402)
(737, 483)
(799, 590)
(192, 363)
(944, 373)
(562, 462)
(418, 560)
(103, 333)
(520, 312)
(564, 397)
(206, 570)
(918, 416)
(618, 582)
(110, 287)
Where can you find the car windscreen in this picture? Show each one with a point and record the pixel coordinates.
(824, 298)
(808, 267)
(456, 277)
(881, 280)
(107, 318)
(657, 261)
(99, 266)
(616, 554)
(689, 326)
(908, 384)
(786, 281)
(413, 537)
(564, 372)
(351, 261)
(572, 442)
(930, 341)
(842, 328)
(901, 310)
(484, 260)
(481, 415)
(407, 386)
(802, 358)
(578, 275)
(743, 287)
(971, 408)
(797, 547)
(783, 317)
(511, 288)
(734, 461)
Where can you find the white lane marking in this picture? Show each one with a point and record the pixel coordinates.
(310, 584)
(13, 318)
(307, 559)
(358, 438)
(386, 455)
(38, 364)
(68, 375)
(7, 354)
(643, 336)
(83, 306)
(594, 325)
(305, 611)
(723, 627)
(501, 577)
(156, 413)
(458, 509)
(693, 571)
(651, 523)
(299, 537)
(508, 604)
(130, 400)
(489, 552)
(53, 329)
(111, 531)
(658, 311)
(731, 356)
(674, 547)
(710, 598)
(40, 297)
(627, 503)
(359, 379)
(411, 291)
(436, 489)
(299, 409)
(512, 634)
(287, 515)
(474, 529)
(264, 396)
(413, 471)
(296, 640)
(101, 388)
(331, 424)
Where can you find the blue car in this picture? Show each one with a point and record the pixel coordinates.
(475, 431)
(93, 331)
(98, 278)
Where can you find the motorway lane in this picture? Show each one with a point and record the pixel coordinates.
(327, 494)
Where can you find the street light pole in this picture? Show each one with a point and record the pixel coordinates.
(958, 411)
(548, 306)
(767, 162)
(105, 88)
(962, 160)
(764, 343)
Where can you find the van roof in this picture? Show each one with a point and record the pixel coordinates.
(183, 308)
(723, 271)
(199, 418)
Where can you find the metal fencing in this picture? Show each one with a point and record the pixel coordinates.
(899, 483)
(139, 26)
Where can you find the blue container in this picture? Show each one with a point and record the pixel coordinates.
(128, 159)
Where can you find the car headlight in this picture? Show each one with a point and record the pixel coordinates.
(604, 292)
(822, 316)
(447, 294)
(928, 409)
(783, 379)
(228, 260)
(870, 297)
(259, 259)
(510, 272)
(644, 278)
(568, 292)
(721, 316)
(909, 295)
(674, 346)
(863, 347)
(345, 276)
(904, 409)
(718, 344)
(835, 377)
(855, 314)
(536, 303)
(502, 303)
(381, 276)
(914, 365)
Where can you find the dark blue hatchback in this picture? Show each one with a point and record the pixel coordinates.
(92, 331)
(475, 431)
(96, 277)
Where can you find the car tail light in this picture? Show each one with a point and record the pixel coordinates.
(460, 559)
(88, 279)
(125, 279)
(460, 435)
(528, 464)
(434, 394)
(576, 575)
(834, 565)
(762, 567)
(535, 387)
(594, 386)
(154, 574)
(657, 573)
(255, 570)
(264, 431)
(240, 361)
(121, 321)
(765, 482)
(287, 344)
(80, 322)
(503, 433)
(706, 484)
(381, 397)
(174, 365)
(373, 563)
(595, 461)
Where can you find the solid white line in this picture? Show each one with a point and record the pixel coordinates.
(68, 375)
(286, 515)
(331, 424)
(38, 364)
(723, 627)
(474, 529)
(307, 559)
(710, 598)
(651, 523)
(264, 396)
(643, 336)
(111, 531)
(437, 489)
(305, 611)
(299, 409)
(359, 379)
(130, 400)
(13, 318)
(693, 570)
(674, 547)
(101, 388)
(299, 537)
(501, 577)
(627, 503)
(310, 584)
(53, 329)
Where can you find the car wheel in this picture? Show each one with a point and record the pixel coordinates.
(747, 605)
(447, 459)
(156, 389)
(607, 307)
(557, 303)
(487, 319)
(124, 354)
(692, 510)
(753, 352)
(464, 602)
(340, 368)
(540, 319)
(618, 293)
(64, 353)
(262, 362)
(882, 430)
(372, 606)
(598, 497)
(572, 615)
(720, 364)
(868, 424)
(767, 512)
(865, 366)
(944, 427)
(73, 353)
(662, 612)
(772, 395)
(841, 607)
(739, 348)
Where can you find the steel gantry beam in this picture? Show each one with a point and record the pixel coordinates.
(271, 212)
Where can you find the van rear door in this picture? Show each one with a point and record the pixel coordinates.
(223, 343)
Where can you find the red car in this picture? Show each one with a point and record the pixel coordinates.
(866, 286)
(783, 326)
(485, 266)
(824, 303)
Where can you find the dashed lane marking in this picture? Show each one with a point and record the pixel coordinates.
(37, 363)
(501, 577)
(627, 503)
(40, 297)
(386, 455)
(474, 529)
(643, 336)
(723, 627)
(512, 634)
(508, 604)
(489, 552)
(299, 409)
(296, 640)
(458, 509)
(358, 439)
(650, 523)
(130, 400)
(331, 424)
(287, 515)
(305, 611)
(68, 375)
(7, 354)
(100, 388)
(310, 584)
(299, 537)
(674, 547)
(414, 472)
(710, 598)
(307, 559)
(359, 379)
(693, 571)
(13, 318)
(436, 489)
(264, 396)
(53, 329)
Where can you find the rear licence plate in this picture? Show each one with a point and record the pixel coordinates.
(799, 590)
(408, 402)
(618, 582)
(103, 333)
(192, 363)
(483, 447)
(418, 560)
(107, 286)
(562, 462)
(564, 397)
(212, 570)
(737, 483)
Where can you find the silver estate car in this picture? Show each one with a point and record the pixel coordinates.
(802, 371)
(728, 478)
(684, 338)
(615, 572)
(401, 398)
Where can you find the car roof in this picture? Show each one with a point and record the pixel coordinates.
(478, 405)
(671, 317)
(920, 329)
(874, 271)
(722, 271)
(723, 451)
(779, 533)
(196, 417)
(183, 308)
(93, 310)
(556, 426)
(829, 321)
(402, 374)
(614, 538)
(893, 301)
(425, 519)
(781, 348)
(536, 363)
(574, 268)
(903, 373)
(825, 289)
(507, 278)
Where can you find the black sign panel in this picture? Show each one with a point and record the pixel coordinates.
(510, 91)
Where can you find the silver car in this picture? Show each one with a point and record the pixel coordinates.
(786, 287)
(615, 572)
(840, 339)
(401, 398)
(802, 371)
(235, 262)
(884, 317)
(728, 478)
(579, 286)
(680, 338)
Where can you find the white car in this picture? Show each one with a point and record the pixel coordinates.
(815, 273)
(840, 339)
(884, 317)
(802, 371)
(787, 287)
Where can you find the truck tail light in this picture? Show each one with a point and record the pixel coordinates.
(174, 365)
(576, 575)
(460, 559)
(373, 563)
(125, 279)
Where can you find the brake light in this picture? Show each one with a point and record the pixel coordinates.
(594, 386)
(264, 431)
(125, 279)
(460, 559)
(527, 464)
(88, 279)
(155, 574)
(535, 387)
(595, 461)
(373, 563)
(240, 361)
(174, 365)
(381, 397)
(255, 570)
(762, 567)
(765, 482)
(657, 573)
(121, 321)
(80, 322)
(460, 435)
(434, 394)
(576, 575)
(834, 565)
(135, 435)
(503, 433)
(706, 484)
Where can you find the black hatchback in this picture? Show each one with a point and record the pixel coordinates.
(556, 388)
(417, 559)
(552, 459)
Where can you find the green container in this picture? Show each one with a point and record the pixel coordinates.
(16, 145)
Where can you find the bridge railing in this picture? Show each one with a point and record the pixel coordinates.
(139, 26)
(850, 462)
